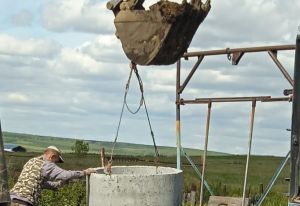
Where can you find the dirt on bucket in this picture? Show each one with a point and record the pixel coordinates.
(160, 35)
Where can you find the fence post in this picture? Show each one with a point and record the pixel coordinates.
(224, 190)
(102, 156)
(248, 191)
(261, 188)
(193, 194)
(4, 192)
(184, 196)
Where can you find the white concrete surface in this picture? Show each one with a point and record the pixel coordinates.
(136, 186)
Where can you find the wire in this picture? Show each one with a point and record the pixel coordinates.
(142, 101)
(133, 67)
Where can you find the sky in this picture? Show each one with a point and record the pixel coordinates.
(63, 73)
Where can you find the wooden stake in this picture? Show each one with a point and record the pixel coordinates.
(4, 191)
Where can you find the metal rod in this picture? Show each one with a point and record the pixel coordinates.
(277, 99)
(4, 190)
(228, 51)
(274, 178)
(205, 151)
(87, 189)
(200, 58)
(295, 129)
(102, 156)
(249, 150)
(178, 135)
(197, 172)
(234, 99)
(246, 50)
(281, 68)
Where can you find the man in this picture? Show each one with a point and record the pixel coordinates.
(42, 173)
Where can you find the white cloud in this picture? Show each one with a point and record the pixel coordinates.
(105, 48)
(72, 61)
(17, 97)
(81, 15)
(78, 89)
(149, 3)
(41, 48)
(248, 23)
(161, 77)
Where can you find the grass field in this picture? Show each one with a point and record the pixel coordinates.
(222, 172)
(37, 143)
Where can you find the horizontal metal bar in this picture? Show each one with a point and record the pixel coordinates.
(234, 99)
(278, 99)
(245, 50)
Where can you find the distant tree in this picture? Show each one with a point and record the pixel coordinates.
(80, 148)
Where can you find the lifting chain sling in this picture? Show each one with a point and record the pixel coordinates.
(142, 102)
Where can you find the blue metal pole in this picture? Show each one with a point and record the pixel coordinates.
(198, 172)
(178, 135)
(274, 178)
(293, 204)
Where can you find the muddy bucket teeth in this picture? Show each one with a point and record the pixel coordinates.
(160, 35)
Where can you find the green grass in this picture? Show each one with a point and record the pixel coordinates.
(37, 143)
(220, 170)
(229, 171)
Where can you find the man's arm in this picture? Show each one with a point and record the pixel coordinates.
(52, 185)
(51, 172)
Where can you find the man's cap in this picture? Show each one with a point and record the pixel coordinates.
(61, 160)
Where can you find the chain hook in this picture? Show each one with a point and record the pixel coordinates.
(228, 54)
(133, 66)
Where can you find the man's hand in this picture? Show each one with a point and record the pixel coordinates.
(107, 169)
(89, 171)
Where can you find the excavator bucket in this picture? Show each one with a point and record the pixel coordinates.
(160, 35)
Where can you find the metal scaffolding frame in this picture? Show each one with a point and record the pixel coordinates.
(235, 55)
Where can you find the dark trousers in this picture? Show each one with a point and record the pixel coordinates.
(16, 202)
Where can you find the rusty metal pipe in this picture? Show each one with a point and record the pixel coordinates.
(246, 50)
(277, 99)
(234, 99)
(281, 68)
(205, 150)
(249, 149)
(191, 74)
(178, 132)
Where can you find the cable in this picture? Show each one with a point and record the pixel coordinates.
(142, 101)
